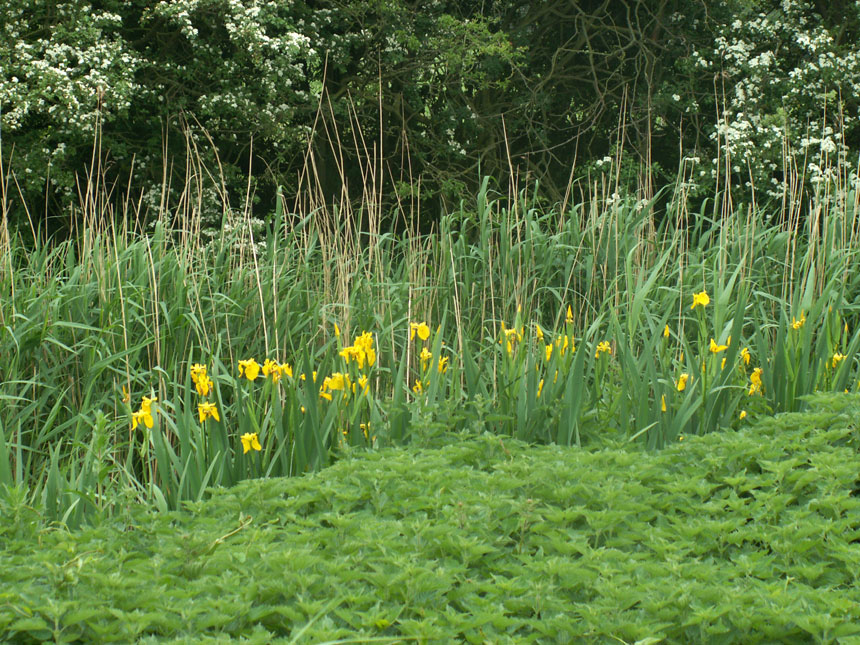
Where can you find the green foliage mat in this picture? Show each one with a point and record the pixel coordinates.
(749, 536)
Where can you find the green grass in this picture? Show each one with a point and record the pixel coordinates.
(90, 327)
(740, 536)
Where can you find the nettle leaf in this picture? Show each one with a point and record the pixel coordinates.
(35, 626)
(726, 538)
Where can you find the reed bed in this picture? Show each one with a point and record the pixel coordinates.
(142, 365)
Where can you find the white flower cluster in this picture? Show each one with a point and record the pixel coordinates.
(67, 70)
(786, 89)
(64, 81)
(257, 84)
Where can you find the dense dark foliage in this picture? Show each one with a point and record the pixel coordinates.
(445, 91)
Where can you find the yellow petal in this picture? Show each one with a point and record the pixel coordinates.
(146, 404)
(443, 364)
(203, 385)
(425, 355)
(700, 299)
(249, 440)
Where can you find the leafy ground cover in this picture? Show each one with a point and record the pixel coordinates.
(747, 535)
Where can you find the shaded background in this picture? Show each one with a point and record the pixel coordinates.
(184, 101)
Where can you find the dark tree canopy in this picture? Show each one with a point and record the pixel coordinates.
(205, 93)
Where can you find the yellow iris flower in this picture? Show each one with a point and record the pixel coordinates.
(146, 404)
(755, 381)
(837, 358)
(203, 385)
(206, 410)
(700, 299)
(144, 415)
(202, 382)
(139, 417)
(512, 334)
(362, 350)
(443, 365)
(363, 384)
(602, 347)
(337, 381)
(564, 343)
(250, 441)
(271, 368)
(745, 355)
(365, 344)
(426, 356)
(797, 323)
(352, 353)
(682, 382)
(249, 368)
(716, 349)
(422, 329)
(200, 379)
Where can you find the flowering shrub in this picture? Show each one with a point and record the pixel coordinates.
(132, 73)
(217, 77)
(774, 92)
(64, 69)
(210, 78)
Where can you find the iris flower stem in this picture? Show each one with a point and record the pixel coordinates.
(704, 371)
